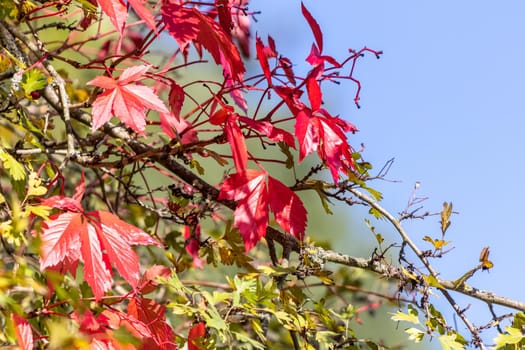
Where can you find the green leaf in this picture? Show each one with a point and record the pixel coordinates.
(415, 334)
(33, 80)
(513, 336)
(411, 316)
(448, 342)
(432, 281)
(14, 168)
(374, 193)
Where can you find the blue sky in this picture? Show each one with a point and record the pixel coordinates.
(446, 101)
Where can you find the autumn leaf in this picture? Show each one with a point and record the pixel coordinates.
(287, 207)
(196, 333)
(318, 35)
(23, 332)
(251, 215)
(254, 199)
(126, 99)
(117, 12)
(325, 134)
(152, 314)
(190, 25)
(99, 239)
(268, 129)
(192, 237)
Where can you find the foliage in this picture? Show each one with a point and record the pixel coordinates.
(106, 145)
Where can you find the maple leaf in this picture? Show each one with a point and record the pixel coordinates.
(117, 12)
(254, 198)
(272, 132)
(193, 243)
(287, 207)
(98, 238)
(251, 214)
(148, 282)
(23, 332)
(318, 35)
(196, 333)
(325, 134)
(190, 25)
(153, 315)
(126, 99)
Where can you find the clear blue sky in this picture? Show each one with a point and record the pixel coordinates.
(447, 101)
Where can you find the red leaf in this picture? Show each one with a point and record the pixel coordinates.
(217, 42)
(125, 99)
(307, 132)
(225, 16)
(189, 24)
(193, 244)
(61, 240)
(196, 333)
(97, 271)
(153, 315)
(221, 115)
(251, 215)
(23, 332)
(312, 87)
(241, 29)
(318, 35)
(237, 143)
(263, 59)
(287, 207)
(176, 128)
(144, 13)
(176, 99)
(286, 65)
(325, 134)
(97, 238)
(148, 282)
(181, 22)
(267, 128)
(116, 11)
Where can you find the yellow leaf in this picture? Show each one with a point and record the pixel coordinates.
(15, 169)
(34, 187)
(415, 334)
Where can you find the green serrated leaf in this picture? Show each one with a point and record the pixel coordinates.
(14, 168)
(376, 213)
(411, 316)
(374, 193)
(414, 334)
(513, 336)
(33, 80)
(448, 342)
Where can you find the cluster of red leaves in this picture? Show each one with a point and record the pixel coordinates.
(98, 238)
(101, 241)
(315, 128)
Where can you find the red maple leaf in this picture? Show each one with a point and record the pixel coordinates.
(187, 25)
(193, 243)
(153, 315)
(23, 332)
(253, 197)
(117, 12)
(196, 333)
(325, 134)
(126, 99)
(98, 238)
